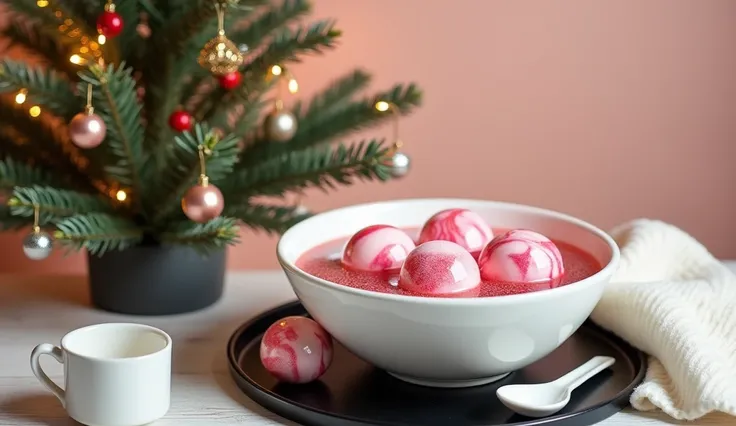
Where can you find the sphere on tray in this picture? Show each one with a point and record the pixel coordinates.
(377, 248)
(521, 256)
(440, 268)
(460, 226)
(296, 350)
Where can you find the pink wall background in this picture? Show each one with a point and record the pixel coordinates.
(607, 110)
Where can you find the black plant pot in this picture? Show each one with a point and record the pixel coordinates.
(156, 280)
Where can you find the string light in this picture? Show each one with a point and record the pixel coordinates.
(382, 106)
(34, 111)
(121, 195)
(42, 3)
(21, 96)
(101, 39)
(293, 86)
(76, 59)
(276, 70)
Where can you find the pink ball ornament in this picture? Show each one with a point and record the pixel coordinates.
(87, 130)
(296, 350)
(377, 248)
(460, 226)
(440, 268)
(202, 203)
(521, 256)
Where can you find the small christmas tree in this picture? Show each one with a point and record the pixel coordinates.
(162, 122)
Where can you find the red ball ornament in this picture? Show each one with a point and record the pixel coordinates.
(230, 80)
(181, 121)
(110, 24)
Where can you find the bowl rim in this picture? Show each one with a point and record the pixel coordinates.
(606, 270)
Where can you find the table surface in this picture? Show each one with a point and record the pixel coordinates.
(38, 309)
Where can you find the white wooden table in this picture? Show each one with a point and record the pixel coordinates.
(42, 309)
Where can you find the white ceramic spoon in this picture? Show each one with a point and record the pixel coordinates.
(543, 399)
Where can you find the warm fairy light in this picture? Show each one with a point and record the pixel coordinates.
(382, 106)
(293, 86)
(121, 195)
(84, 49)
(276, 70)
(21, 96)
(42, 3)
(35, 111)
(101, 39)
(76, 59)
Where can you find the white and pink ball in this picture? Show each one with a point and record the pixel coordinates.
(439, 268)
(296, 350)
(521, 256)
(460, 226)
(377, 248)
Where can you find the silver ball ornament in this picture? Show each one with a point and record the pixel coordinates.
(399, 164)
(281, 125)
(37, 245)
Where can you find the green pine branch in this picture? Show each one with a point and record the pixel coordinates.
(54, 203)
(323, 123)
(49, 144)
(322, 167)
(286, 46)
(60, 22)
(9, 222)
(97, 232)
(269, 218)
(13, 173)
(47, 48)
(336, 96)
(115, 101)
(254, 35)
(45, 87)
(215, 234)
(86, 10)
(182, 170)
(171, 69)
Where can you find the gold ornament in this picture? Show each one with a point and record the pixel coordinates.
(397, 161)
(220, 56)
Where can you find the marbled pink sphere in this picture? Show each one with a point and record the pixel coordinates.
(521, 256)
(377, 248)
(440, 268)
(296, 350)
(87, 130)
(460, 226)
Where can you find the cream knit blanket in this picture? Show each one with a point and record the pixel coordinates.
(672, 299)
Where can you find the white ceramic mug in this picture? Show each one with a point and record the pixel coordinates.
(115, 374)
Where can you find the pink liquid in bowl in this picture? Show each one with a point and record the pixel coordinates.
(323, 262)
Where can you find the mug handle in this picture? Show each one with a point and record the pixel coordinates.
(58, 354)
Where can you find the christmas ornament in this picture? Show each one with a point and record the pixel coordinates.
(220, 56)
(38, 244)
(230, 80)
(110, 23)
(398, 162)
(203, 202)
(296, 349)
(181, 121)
(87, 130)
(281, 125)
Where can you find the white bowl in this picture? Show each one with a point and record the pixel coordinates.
(447, 342)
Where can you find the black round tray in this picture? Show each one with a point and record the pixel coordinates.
(353, 392)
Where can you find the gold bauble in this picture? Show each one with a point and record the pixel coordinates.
(220, 56)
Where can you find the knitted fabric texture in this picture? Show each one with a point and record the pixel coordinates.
(673, 300)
